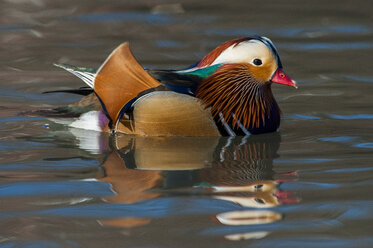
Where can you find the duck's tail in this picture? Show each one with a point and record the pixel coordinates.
(84, 91)
(86, 74)
(117, 83)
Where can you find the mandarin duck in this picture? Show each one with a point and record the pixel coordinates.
(227, 92)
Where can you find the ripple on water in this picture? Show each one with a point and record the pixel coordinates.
(82, 188)
(305, 160)
(365, 145)
(359, 78)
(13, 28)
(350, 140)
(327, 46)
(302, 117)
(169, 43)
(5, 146)
(351, 117)
(51, 164)
(21, 118)
(313, 31)
(341, 139)
(124, 16)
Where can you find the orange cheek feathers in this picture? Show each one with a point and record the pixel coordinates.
(262, 73)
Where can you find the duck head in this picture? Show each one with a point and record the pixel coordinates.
(239, 90)
(258, 53)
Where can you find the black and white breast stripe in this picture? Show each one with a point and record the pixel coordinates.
(226, 128)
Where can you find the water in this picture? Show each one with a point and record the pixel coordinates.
(307, 186)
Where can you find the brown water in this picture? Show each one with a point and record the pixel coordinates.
(308, 186)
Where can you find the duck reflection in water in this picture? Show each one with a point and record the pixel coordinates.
(238, 170)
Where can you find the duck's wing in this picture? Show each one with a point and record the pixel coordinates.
(183, 81)
(172, 79)
(119, 81)
(185, 84)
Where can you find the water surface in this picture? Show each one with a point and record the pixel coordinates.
(307, 186)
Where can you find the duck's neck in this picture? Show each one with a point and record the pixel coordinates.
(239, 105)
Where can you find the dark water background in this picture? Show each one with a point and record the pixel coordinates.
(308, 186)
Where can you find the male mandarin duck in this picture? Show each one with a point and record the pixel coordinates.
(228, 92)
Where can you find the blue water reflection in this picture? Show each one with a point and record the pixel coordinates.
(80, 188)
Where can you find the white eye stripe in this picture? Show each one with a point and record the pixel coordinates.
(245, 52)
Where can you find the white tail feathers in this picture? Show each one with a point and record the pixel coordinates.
(85, 74)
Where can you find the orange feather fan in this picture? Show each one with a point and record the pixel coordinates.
(120, 79)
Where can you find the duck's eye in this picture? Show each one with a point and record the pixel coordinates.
(257, 62)
(260, 201)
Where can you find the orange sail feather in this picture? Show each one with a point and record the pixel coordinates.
(120, 79)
